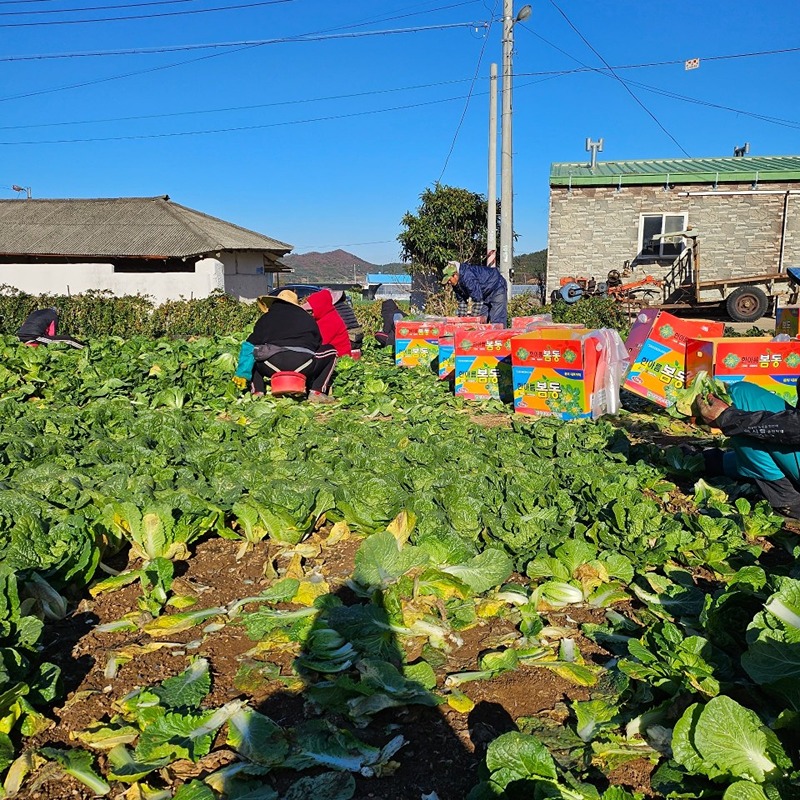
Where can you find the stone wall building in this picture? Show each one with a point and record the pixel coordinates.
(744, 211)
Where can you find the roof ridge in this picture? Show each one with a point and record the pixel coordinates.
(225, 222)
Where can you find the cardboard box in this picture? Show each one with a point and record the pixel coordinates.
(775, 366)
(787, 320)
(447, 344)
(554, 372)
(657, 349)
(417, 341)
(483, 364)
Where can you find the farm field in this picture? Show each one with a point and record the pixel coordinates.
(400, 595)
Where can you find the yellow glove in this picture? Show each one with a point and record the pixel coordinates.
(240, 383)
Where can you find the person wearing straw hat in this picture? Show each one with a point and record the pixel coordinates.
(285, 338)
(485, 286)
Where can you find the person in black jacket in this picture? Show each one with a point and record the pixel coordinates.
(40, 327)
(354, 330)
(764, 433)
(285, 338)
(391, 313)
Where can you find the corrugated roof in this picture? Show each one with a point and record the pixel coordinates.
(121, 226)
(677, 170)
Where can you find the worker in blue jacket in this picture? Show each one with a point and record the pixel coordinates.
(764, 438)
(485, 286)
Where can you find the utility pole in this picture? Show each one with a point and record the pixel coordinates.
(506, 172)
(491, 194)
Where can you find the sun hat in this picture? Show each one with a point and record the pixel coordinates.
(450, 270)
(286, 295)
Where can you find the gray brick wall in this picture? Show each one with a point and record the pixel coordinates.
(595, 229)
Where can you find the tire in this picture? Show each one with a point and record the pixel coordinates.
(746, 304)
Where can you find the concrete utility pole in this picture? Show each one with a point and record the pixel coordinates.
(491, 194)
(506, 172)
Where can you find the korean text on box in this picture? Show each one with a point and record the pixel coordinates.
(774, 366)
(554, 373)
(483, 365)
(657, 349)
(416, 342)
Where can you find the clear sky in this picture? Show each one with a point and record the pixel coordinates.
(325, 129)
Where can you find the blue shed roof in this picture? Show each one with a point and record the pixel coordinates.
(380, 277)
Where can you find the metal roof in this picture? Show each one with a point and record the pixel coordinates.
(384, 278)
(747, 169)
(143, 227)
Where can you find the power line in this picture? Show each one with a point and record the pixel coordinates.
(234, 129)
(246, 43)
(665, 92)
(91, 8)
(227, 109)
(469, 97)
(142, 16)
(622, 83)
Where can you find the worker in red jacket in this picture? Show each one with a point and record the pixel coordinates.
(331, 325)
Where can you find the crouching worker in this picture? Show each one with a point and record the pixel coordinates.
(485, 286)
(391, 315)
(764, 433)
(331, 325)
(354, 329)
(285, 338)
(40, 327)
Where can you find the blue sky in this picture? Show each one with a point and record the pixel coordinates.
(325, 143)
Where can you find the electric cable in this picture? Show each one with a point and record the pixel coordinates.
(468, 98)
(92, 8)
(622, 83)
(129, 17)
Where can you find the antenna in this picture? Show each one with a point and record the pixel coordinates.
(594, 148)
(738, 152)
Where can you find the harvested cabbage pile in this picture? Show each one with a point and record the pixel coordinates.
(703, 385)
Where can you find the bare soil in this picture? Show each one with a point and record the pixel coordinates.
(444, 747)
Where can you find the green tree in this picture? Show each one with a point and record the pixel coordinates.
(449, 225)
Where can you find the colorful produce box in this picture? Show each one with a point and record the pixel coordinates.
(417, 341)
(483, 364)
(520, 323)
(773, 365)
(554, 372)
(447, 343)
(657, 349)
(787, 320)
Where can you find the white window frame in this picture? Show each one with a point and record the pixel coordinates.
(663, 214)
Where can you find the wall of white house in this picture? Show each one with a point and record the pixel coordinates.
(245, 277)
(240, 274)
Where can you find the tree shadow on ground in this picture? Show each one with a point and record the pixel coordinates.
(357, 679)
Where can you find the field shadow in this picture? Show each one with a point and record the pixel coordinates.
(374, 698)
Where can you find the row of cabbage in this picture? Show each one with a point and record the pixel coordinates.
(147, 445)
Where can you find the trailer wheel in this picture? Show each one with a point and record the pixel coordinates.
(746, 304)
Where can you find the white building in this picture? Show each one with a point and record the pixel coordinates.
(132, 245)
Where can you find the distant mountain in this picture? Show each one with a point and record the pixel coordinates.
(338, 266)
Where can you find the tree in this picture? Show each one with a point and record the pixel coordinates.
(450, 225)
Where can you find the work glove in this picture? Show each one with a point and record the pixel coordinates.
(240, 383)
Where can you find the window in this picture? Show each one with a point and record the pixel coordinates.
(651, 228)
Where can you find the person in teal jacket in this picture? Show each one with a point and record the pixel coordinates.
(764, 433)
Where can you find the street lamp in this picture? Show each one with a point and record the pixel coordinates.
(506, 183)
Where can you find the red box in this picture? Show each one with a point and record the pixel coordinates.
(775, 366)
(483, 364)
(657, 349)
(447, 339)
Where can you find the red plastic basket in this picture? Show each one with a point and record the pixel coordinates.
(287, 383)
